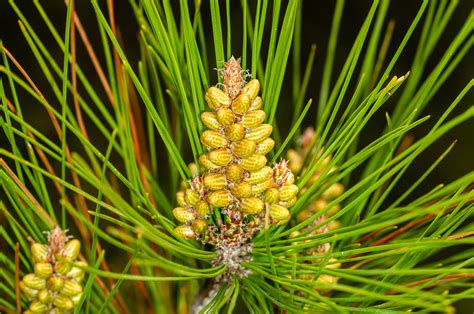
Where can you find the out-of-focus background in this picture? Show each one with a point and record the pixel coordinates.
(317, 17)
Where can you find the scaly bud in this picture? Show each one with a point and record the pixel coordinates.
(206, 163)
(241, 104)
(55, 283)
(260, 175)
(184, 231)
(213, 139)
(191, 197)
(256, 104)
(242, 190)
(39, 252)
(287, 192)
(216, 98)
(199, 226)
(265, 146)
(253, 119)
(63, 303)
(234, 172)
(235, 132)
(251, 89)
(253, 162)
(220, 198)
(38, 307)
(180, 199)
(71, 288)
(71, 249)
(183, 215)
(220, 157)
(202, 208)
(225, 116)
(214, 181)
(63, 266)
(260, 133)
(210, 120)
(279, 213)
(34, 282)
(43, 270)
(251, 205)
(272, 195)
(244, 148)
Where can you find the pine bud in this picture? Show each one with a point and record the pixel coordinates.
(45, 296)
(220, 157)
(38, 307)
(213, 139)
(202, 208)
(253, 163)
(180, 199)
(225, 116)
(210, 120)
(191, 197)
(34, 282)
(241, 104)
(63, 266)
(199, 226)
(183, 215)
(244, 148)
(253, 119)
(256, 104)
(272, 195)
(242, 190)
(260, 175)
(30, 293)
(71, 288)
(55, 283)
(63, 303)
(43, 270)
(234, 172)
(235, 132)
(214, 181)
(333, 191)
(220, 198)
(40, 253)
(206, 163)
(260, 187)
(184, 231)
(287, 192)
(279, 213)
(216, 98)
(251, 89)
(251, 205)
(71, 249)
(260, 133)
(265, 146)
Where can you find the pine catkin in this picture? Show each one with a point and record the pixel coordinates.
(55, 286)
(225, 204)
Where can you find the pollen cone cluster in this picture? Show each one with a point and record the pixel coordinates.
(296, 158)
(55, 286)
(225, 205)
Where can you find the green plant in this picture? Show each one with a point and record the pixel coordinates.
(102, 174)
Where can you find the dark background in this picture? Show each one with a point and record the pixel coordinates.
(317, 17)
